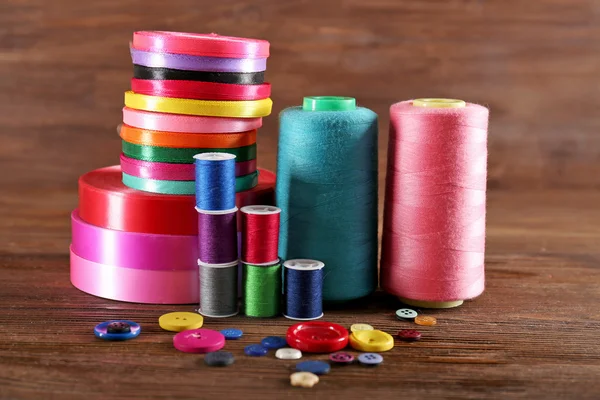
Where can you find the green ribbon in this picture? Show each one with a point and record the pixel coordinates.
(182, 155)
(242, 183)
(261, 287)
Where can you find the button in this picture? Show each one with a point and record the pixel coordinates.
(119, 330)
(180, 321)
(304, 379)
(232, 333)
(316, 367)
(199, 341)
(273, 342)
(255, 350)
(341, 358)
(371, 341)
(317, 337)
(370, 359)
(219, 359)
(361, 327)
(288, 354)
(425, 320)
(409, 335)
(406, 314)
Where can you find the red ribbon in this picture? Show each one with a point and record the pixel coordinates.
(200, 90)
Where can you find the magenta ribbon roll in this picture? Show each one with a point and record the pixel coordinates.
(134, 285)
(197, 63)
(142, 251)
(173, 172)
(217, 236)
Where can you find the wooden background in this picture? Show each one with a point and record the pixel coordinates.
(64, 66)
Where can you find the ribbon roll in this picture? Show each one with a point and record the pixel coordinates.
(242, 183)
(104, 201)
(182, 155)
(173, 172)
(131, 249)
(186, 123)
(234, 78)
(197, 63)
(134, 285)
(240, 109)
(200, 90)
(149, 137)
(196, 44)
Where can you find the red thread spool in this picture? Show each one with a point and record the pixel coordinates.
(260, 234)
(434, 218)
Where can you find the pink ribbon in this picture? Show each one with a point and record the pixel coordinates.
(141, 251)
(134, 285)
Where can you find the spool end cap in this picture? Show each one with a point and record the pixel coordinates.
(439, 103)
(329, 103)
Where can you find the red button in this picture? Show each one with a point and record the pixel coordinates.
(317, 337)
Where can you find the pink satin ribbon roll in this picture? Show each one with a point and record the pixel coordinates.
(144, 251)
(134, 285)
(187, 123)
(173, 172)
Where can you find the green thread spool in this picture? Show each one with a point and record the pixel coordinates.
(261, 286)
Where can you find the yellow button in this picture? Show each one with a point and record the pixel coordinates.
(304, 379)
(180, 321)
(361, 327)
(371, 341)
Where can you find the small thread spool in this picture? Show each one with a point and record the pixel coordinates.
(261, 288)
(327, 191)
(434, 220)
(260, 234)
(303, 289)
(218, 289)
(217, 236)
(215, 181)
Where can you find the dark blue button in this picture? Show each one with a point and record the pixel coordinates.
(117, 330)
(274, 342)
(370, 359)
(316, 367)
(232, 333)
(219, 359)
(255, 350)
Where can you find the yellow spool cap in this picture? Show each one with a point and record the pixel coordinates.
(439, 103)
(371, 341)
(431, 304)
(180, 321)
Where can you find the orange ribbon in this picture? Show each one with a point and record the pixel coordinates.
(187, 140)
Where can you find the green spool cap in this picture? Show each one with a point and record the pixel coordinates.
(329, 103)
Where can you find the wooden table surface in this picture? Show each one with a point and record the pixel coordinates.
(533, 334)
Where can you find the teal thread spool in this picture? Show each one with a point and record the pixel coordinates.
(261, 287)
(327, 192)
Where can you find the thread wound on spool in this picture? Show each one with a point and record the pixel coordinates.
(217, 236)
(260, 234)
(218, 289)
(303, 289)
(215, 181)
(261, 286)
(327, 191)
(434, 218)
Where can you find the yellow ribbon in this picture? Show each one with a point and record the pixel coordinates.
(209, 108)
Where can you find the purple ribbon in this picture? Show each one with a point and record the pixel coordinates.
(197, 63)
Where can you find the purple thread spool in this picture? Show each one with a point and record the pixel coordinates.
(217, 236)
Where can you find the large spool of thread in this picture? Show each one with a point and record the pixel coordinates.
(218, 289)
(327, 192)
(260, 234)
(303, 289)
(261, 288)
(434, 220)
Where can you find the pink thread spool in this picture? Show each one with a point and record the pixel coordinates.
(434, 218)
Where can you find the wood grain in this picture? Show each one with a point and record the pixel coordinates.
(64, 66)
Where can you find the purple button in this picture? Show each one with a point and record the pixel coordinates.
(341, 358)
(199, 341)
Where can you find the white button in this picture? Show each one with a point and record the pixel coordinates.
(304, 379)
(287, 353)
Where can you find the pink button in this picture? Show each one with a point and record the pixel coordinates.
(199, 341)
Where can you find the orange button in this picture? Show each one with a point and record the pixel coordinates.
(425, 320)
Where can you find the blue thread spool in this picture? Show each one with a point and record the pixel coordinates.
(327, 191)
(303, 289)
(215, 181)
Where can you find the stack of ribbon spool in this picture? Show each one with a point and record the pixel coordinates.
(135, 234)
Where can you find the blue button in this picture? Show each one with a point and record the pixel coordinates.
(255, 350)
(371, 359)
(232, 333)
(274, 342)
(219, 359)
(316, 367)
(117, 330)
